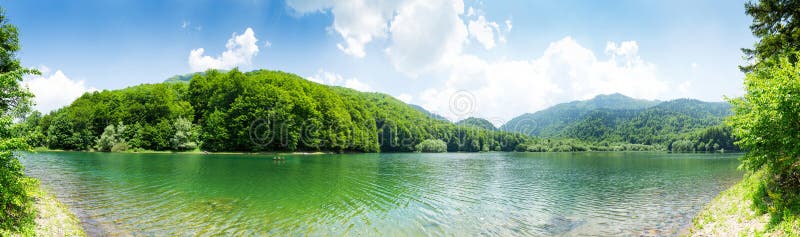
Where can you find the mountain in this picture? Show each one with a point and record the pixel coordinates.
(477, 122)
(185, 78)
(429, 113)
(276, 111)
(551, 121)
(617, 118)
(257, 111)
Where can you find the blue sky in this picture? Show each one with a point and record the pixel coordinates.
(458, 58)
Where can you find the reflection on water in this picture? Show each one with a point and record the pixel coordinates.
(497, 194)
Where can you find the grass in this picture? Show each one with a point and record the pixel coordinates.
(733, 213)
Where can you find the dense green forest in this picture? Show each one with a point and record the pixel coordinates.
(683, 125)
(277, 111)
(477, 122)
(253, 111)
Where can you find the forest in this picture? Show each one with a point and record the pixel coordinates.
(680, 125)
(261, 111)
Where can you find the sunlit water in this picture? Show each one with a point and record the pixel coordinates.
(453, 194)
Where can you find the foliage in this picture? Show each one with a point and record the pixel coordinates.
(477, 122)
(620, 119)
(185, 135)
(256, 111)
(148, 110)
(551, 121)
(574, 145)
(767, 122)
(111, 137)
(777, 27)
(432, 145)
(15, 204)
(276, 111)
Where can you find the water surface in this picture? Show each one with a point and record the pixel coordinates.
(458, 194)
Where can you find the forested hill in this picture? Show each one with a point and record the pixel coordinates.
(553, 120)
(277, 111)
(477, 122)
(254, 111)
(618, 118)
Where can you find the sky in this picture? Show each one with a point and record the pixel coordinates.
(458, 58)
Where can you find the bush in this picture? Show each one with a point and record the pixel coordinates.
(111, 137)
(17, 208)
(120, 147)
(431, 145)
(766, 122)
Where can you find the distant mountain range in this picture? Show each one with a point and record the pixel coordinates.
(609, 118)
(477, 122)
(620, 118)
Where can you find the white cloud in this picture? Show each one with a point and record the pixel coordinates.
(355, 84)
(240, 51)
(565, 71)
(334, 79)
(684, 86)
(625, 49)
(54, 90)
(406, 98)
(428, 38)
(426, 35)
(358, 22)
(483, 31)
(187, 25)
(267, 44)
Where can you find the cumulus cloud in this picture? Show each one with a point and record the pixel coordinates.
(485, 31)
(426, 35)
(406, 98)
(240, 51)
(54, 90)
(429, 37)
(334, 79)
(358, 22)
(565, 71)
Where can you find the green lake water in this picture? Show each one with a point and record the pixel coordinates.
(451, 194)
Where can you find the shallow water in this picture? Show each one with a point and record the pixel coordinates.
(456, 194)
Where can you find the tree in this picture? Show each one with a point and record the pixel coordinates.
(776, 25)
(767, 122)
(112, 139)
(185, 135)
(14, 103)
(432, 145)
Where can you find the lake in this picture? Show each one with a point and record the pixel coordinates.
(412, 194)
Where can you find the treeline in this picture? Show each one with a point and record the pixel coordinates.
(277, 111)
(253, 111)
(682, 125)
(717, 138)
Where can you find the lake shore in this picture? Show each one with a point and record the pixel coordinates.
(53, 218)
(196, 152)
(731, 214)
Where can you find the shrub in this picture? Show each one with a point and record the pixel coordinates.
(431, 145)
(766, 122)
